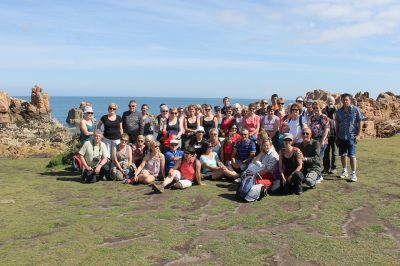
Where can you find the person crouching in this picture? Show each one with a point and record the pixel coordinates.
(94, 157)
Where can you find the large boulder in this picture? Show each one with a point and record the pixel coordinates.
(27, 129)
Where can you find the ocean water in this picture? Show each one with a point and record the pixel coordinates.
(60, 105)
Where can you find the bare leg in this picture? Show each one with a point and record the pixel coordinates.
(353, 163)
(168, 180)
(344, 161)
(146, 178)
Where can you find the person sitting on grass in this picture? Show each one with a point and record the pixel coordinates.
(122, 159)
(184, 173)
(244, 151)
(172, 156)
(153, 163)
(94, 157)
(310, 148)
(290, 165)
(212, 167)
(198, 140)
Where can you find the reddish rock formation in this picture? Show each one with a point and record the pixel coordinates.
(27, 129)
(382, 116)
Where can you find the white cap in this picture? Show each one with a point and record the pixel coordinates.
(200, 129)
(236, 105)
(88, 109)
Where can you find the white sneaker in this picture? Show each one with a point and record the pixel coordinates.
(344, 174)
(353, 177)
(319, 179)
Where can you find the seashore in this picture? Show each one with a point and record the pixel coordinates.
(27, 128)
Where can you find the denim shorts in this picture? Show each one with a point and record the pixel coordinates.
(347, 147)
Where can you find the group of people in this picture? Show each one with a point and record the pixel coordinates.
(282, 146)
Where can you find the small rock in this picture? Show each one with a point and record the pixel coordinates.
(7, 201)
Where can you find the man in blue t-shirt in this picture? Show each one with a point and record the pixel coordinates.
(244, 151)
(348, 130)
(172, 156)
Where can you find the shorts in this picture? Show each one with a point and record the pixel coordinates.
(184, 181)
(347, 147)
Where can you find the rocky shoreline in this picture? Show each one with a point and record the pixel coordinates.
(28, 130)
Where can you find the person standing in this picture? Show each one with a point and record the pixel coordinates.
(132, 122)
(331, 152)
(348, 130)
(112, 127)
(227, 103)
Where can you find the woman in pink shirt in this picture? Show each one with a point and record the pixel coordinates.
(251, 122)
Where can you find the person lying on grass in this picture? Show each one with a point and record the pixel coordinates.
(184, 173)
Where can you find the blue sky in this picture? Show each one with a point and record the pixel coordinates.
(244, 49)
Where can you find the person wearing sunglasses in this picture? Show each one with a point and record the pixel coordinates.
(172, 156)
(198, 140)
(251, 122)
(190, 124)
(290, 165)
(319, 125)
(227, 121)
(112, 127)
(161, 121)
(211, 165)
(185, 172)
(151, 167)
(244, 151)
(331, 151)
(296, 122)
(147, 120)
(122, 160)
(310, 148)
(138, 150)
(132, 122)
(173, 126)
(208, 121)
(281, 111)
(87, 125)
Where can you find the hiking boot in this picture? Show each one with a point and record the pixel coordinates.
(353, 177)
(319, 179)
(344, 174)
(326, 171)
(158, 188)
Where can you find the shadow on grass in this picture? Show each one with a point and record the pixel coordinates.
(229, 196)
(63, 175)
(230, 186)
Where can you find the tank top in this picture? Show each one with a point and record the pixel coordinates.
(207, 126)
(188, 170)
(269, 124)
(191, 125)
(173, 129)
(111, 128)
(291, 162)
(89, 128)
(226, 124)
(153, 165)
(122, 156)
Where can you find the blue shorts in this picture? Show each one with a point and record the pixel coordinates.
(347, 147)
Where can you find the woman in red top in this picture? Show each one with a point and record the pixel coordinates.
(227, 121)
(184, 172)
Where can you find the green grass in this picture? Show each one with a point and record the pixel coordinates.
(57, 220)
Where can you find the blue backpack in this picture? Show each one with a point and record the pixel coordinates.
(246, 183)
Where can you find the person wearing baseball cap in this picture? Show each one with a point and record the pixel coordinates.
(87, 125)
(290, 165)
(173, 155)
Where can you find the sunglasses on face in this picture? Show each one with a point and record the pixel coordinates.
(281, 103)
(207, 109)
(132, 105)
(124, 140)
(187, 153)
(234, 128)
(293, 110)
(173, 144)
(156, 146)
(140, 140)
(174, 113)
(244, 134)
(306, 133)
(165, 111)
(89, 113)
(112, 108)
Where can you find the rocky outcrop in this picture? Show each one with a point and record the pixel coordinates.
(27, 129)
(382, 116)
(75, 115)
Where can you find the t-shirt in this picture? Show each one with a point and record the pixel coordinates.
(211, 162)
(171, 163)
(111, 128)
(132, 123)
(93, 155)
(295, 128)
(244, 149)
(251, 122)
(197, 145)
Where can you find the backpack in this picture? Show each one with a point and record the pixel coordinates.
(77, 164)
(248, 190)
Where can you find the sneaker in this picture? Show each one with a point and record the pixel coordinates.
(333, 171)
(158, 188)
(353, 177)
(344, 174)
(319, 179)
(238, 180)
